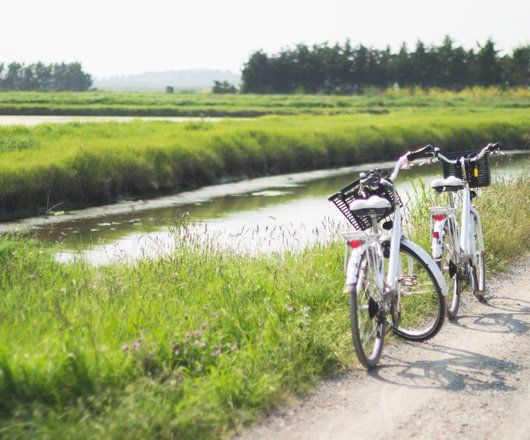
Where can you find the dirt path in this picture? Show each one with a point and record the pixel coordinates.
(472, 381)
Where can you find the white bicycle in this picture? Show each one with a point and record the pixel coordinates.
(386, 273)
(458, 248)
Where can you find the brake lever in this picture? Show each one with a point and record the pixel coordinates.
(426, 162)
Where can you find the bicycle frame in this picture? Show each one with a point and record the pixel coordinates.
(464, 240)
(357, 243)
(463, 235)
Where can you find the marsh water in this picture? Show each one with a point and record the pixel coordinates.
(32, 120)
(257, 215)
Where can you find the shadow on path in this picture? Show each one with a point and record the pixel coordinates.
(453, 369)
(504, 317)
(456, 369)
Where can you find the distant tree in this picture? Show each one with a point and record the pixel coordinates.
(257, 74)
(488, 67)
(382, 71)
(458, 70)
(444, 59)
(322, 68)
(170, 89)
(42, 77)
(223, 87)
(360, 70)
(518, 67)
(403, 67)
(12, 78)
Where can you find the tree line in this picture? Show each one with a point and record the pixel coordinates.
(44, 77)
(323, 68)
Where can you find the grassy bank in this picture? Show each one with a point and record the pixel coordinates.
(204, 104)
(191, 346)
(88, 164)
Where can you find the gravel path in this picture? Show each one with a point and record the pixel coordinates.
(472, 381)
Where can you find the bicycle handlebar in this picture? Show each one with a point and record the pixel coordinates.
(420, 152)
(488, 149)
(426, 151)
(410, 156)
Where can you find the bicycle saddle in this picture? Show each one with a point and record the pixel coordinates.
(450, 183)
(373, 203)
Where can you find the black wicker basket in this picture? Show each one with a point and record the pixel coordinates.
(477, 172)
(348, 194)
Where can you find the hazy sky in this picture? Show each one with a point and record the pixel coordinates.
(112, 37)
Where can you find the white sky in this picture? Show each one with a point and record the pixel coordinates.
(114, 37)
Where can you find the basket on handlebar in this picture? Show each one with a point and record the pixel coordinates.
(348, 194)
(478, 172)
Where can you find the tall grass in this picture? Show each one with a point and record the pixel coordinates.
(88, 164)
(205, 104)
(190, 346)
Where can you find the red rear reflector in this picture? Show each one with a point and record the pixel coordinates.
(438, 217)
(355, 243)
(436, 234)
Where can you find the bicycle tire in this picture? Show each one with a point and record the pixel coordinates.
(361, 305)
(433, 303)
(479, 270)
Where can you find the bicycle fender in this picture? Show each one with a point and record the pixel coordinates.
(437, 230)
(352, 268)
(431, 264)
(437, 238)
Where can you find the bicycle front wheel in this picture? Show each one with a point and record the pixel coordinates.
(449, 267)
(366, 313)
(479, 272)
(421, 308)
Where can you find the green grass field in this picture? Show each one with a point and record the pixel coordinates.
(190, 346)
(84, 164)
(201, 341)
(206, 104)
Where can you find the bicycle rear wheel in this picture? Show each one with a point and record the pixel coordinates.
(421, 305)
(366, 314)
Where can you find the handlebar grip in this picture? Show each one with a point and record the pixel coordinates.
(421, 152)
(494, 146)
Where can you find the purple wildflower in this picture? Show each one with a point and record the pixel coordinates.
(124, 347)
